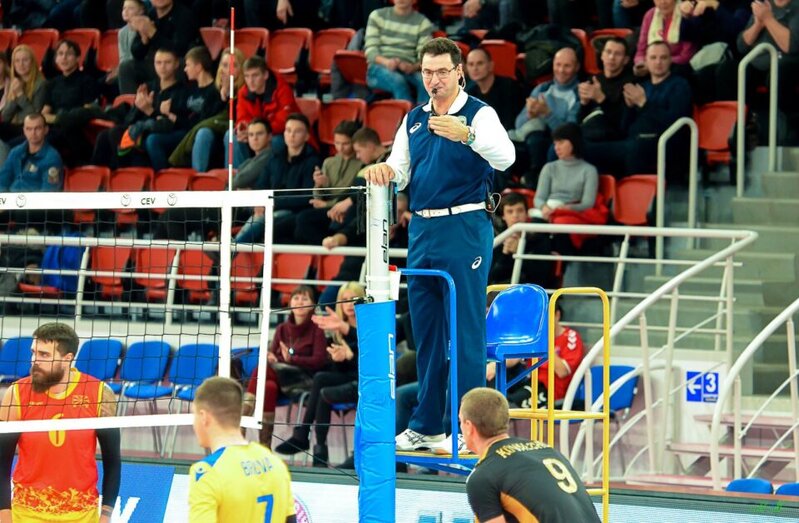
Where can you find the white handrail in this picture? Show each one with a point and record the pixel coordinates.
(747, 238)
(772, 112)
(724, 390)
(661, 190)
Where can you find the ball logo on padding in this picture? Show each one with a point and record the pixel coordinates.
(125, 200)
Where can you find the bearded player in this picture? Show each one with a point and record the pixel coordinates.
(55, 479)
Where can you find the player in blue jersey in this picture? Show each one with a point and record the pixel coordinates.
(239, 480)
(446, 152)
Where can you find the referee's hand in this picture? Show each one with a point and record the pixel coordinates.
(379, 174)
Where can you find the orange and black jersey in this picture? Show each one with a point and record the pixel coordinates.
(528, 482)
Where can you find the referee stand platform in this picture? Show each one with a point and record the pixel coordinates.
(520, 324)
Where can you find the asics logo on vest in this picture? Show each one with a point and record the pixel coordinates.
(477, 261)
(415, 127)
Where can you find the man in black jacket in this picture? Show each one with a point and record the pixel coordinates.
(170, 25)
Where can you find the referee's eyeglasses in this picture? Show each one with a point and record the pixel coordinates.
(427, 74)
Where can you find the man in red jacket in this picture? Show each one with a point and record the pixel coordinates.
(264, 95)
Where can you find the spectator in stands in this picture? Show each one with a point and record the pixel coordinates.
(5, 81)
(651, 108)
(338, 170)
(394, 37)
(70, 101)
(197, 147)
(277, 14)
(629, 13)
(369, 150)
(34, 165)
(180, 224)
(550, 105)
(24, 14)
(665, 23)
(296, 353)
(130, 10)
(198, 102)
(114, 146)
(776, 22)
(26, 92)
(601, 97)
(170, 25)
(569, 352)
(501, 93)
(291, 167)
(512, 210)
(490, 14)
(264, 95)
(336, 384)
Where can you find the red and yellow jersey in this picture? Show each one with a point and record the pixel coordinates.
(56, 473)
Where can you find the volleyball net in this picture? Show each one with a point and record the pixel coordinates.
(157, 289)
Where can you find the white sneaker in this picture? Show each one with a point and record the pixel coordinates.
(445, 447)
(410, 440)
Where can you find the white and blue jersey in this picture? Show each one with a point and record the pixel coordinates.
(442, 174)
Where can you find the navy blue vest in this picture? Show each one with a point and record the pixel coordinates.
(445, 173)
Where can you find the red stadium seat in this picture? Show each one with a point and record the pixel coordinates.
(110, 259)
(213, 180)
(352, 66)
(715, 122)
(108, 52)
(634, 196)
(324, 45)
(450, 9)
(285, 48)
(195, 263)
(588, 65)
(155, 263)
(248, 266)
(88, 178)
(503, 53)
(251, 39)
(8, 40)
(327, 267)
(464, 47)
(39, 40)
(86, 39)
(607, 188)
(311, 108)
(385, 116)
(215, 39)
(129, 179)
(335, 111)
(172, 179)
(289, 266)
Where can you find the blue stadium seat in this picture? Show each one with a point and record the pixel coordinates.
(788, 489)
(15, 358)
(517, 326)
(99, 358)
(144, 363)
(751, 486)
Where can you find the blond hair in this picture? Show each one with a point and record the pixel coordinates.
(487, 409)
(35, 75)
(238, 71)
(352, 286)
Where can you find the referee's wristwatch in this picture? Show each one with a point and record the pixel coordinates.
(469, 136)
(291, 353)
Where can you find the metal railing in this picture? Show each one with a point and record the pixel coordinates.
(732, 381)
(772, 112)
(670, 290)
(661, 181)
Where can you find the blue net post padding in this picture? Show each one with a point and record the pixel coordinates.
(375, 418)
